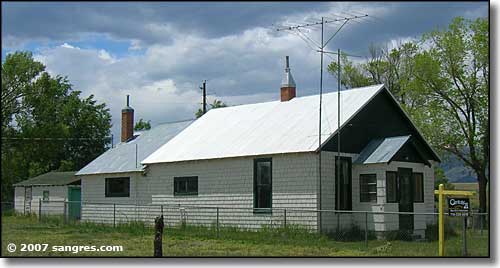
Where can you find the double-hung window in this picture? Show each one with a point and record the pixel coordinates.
(186, 185)
(368, 188)
(118, 187)
(262, 185)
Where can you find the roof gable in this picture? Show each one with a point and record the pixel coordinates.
(263, 128)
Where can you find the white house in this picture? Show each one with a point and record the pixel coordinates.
(260, 162)
(115, 180)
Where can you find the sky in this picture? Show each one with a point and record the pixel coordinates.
(160, 52)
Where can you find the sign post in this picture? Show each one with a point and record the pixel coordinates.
(441, 194)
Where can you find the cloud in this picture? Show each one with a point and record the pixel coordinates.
(171, 47)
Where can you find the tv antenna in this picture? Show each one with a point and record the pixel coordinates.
(320, 47)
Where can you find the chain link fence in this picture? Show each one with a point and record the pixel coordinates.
(461, 233)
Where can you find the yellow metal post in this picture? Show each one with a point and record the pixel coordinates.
(441, 193)
(441, 219)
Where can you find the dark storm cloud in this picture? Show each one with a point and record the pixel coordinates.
(69, 21)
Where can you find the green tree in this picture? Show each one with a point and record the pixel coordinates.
(443, 85)
(142, 125)
(453, 79)
(48, 125)
(214, 105)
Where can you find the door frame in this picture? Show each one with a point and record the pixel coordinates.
(411, 208)
(70, 188)
(28, 204)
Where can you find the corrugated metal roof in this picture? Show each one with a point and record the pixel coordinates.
(381, 150)
(51, 178)
(263, 128)
(122, 158)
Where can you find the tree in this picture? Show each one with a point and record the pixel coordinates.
(48, 125)
(453, 78)
(443, 84)
(216, 104)
(142, 125)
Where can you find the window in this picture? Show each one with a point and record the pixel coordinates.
(45, 195)
(118, 187)
(343, 183)
(391, 187)
(262, 184)
(186, 185)
(418, 187)
(368, 188)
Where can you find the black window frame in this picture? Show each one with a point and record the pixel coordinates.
(256, 209)
(396, 188)
(189, 180)
(122, 194)
(420, 199)
(361, 193)
(339, 193)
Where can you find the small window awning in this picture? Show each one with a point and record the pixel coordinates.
(384, 150)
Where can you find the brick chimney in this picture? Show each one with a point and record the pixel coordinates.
(127, 121)
(287, 84)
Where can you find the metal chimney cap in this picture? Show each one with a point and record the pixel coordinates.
(127, 108)
(287, 80)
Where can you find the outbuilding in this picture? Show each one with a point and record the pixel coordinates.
(50, 190)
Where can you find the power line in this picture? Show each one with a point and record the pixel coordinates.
(52, 139)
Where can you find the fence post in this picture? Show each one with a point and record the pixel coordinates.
(39, 209)
(366, 229)
(464, 237)
(481, 223)
(158, 240)
(161, 209)
(114, 215)
(284, 215)
(217, 222)
(65, 213)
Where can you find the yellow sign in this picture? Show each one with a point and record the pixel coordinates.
(441, 194)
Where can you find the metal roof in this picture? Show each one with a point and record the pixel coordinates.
(51, 178)
(381, 150)
(263, 128)
(122, 158)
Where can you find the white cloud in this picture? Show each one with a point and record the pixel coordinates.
(66, 45)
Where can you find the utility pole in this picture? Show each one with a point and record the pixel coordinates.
(204, 88)
(337, 162)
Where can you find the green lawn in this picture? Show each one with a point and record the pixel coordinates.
(137, 240)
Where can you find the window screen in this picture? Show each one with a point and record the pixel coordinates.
(368, 187)
(186, 185)
(391, 184)
(418, 187)
(118, 187)
(263, 183)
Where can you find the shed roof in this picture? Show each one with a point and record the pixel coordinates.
(381, 150)
(263, 128)
(122, 158)
(51, 178)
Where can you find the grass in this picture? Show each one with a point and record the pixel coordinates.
(137, 240)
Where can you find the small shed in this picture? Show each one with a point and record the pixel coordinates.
(51, 190)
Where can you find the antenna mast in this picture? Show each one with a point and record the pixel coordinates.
(321, 49)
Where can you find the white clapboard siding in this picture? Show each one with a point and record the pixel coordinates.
(54, 206)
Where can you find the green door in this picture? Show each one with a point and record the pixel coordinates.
(74, 202)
